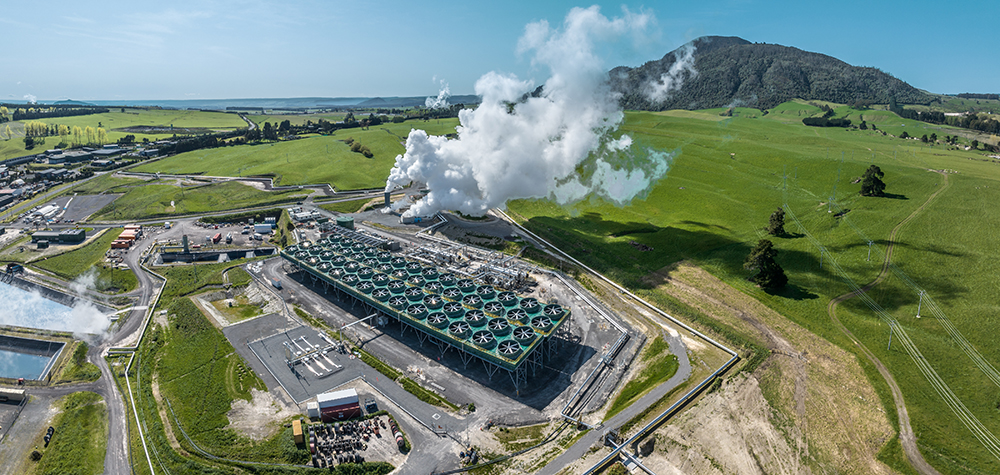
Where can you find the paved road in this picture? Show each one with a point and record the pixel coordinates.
(578, 450)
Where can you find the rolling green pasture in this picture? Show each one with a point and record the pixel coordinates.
(73, 264)
(81, 437)
(297, 119)
(116, 120)
(153, 199)
(727, 178)
(317, 159)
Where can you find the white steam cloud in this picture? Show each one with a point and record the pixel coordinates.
(31, 98)
(29, 309)
(673, 79)
(558, 143)
(441, 101)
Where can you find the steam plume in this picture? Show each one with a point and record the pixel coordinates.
(31, 98)
(670, 81)
(30, 309)
(557, 141)
(441, 101)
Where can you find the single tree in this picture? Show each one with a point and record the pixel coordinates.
(975, 144)
(776, 226)
(767, 273)
(933, 137)
(924, 138)
(904, 135)
(863, 126)
(29, 142)
(871, 183)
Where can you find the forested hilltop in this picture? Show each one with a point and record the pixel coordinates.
(732, 71)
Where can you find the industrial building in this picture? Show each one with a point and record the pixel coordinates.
(500, 328)
(338, 405)
(66, 236)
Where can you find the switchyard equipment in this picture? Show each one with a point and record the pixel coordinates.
(501, 328)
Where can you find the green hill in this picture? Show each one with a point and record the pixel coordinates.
(732, 71)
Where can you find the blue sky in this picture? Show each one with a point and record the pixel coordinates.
(214, 49)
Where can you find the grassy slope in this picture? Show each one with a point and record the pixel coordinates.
(712, 207)
(73, 264)
(296, 119)
(153, 200)
(81, 437)
(318, 159)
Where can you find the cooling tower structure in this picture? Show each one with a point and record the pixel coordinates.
(500, 328)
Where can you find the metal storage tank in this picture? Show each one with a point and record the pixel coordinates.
(346, 222)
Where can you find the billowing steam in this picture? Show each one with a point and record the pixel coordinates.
(29, 309)
(441, 101)
(31, 98)
(673, 79)
(557, 141)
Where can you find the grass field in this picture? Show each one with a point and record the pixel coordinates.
(113, 122)
(90, 258)
(712, 207)
(352, 206)
(153, 200)
(296, 119)
(312, 160)
(80, 440)
(661, 365)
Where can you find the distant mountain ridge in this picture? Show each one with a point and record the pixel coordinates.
(732, 71)
(291, 103)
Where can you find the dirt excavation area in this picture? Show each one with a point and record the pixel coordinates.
(808, 409)
(259, 418)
